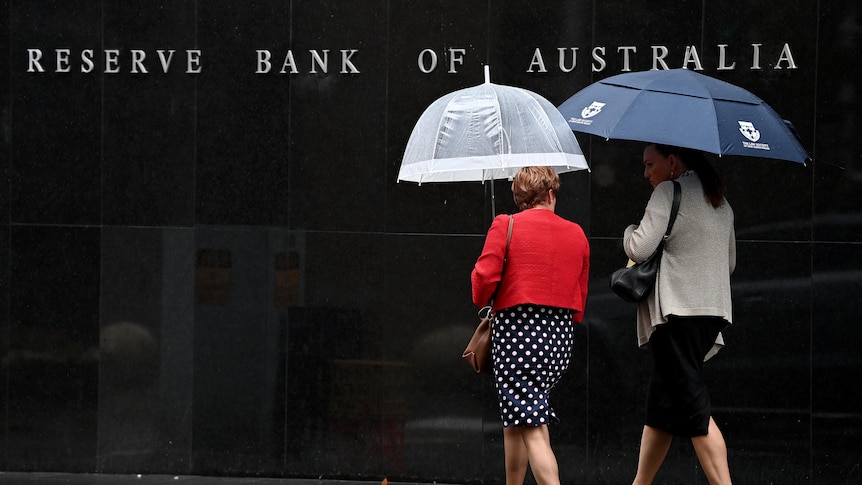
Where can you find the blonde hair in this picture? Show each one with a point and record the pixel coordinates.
(530, 186)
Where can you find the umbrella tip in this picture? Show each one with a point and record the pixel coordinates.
(487, 73)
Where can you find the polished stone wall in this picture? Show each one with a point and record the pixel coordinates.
(210, 269)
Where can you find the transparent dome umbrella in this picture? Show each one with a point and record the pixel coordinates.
(488, 132)
(683, 108)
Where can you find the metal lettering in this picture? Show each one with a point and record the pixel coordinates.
(138, 57)
(625, 50)
(537, 61)
(602, 64)
(691, 57)
(320, 61)
(563, 66)
(347, 67)
(659, 52)
(166, 63)
(455, 56)
(63, 60)
(193, 66)
(423, 66)
(786, 56)
(722, 59)
(755, 57)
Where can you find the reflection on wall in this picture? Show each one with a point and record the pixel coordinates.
(128, 380)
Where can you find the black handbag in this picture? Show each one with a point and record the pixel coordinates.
(478, 351)
(633, 283)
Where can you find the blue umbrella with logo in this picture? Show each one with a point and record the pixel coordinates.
(683, 108)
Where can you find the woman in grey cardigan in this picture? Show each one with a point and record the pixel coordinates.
(682, 318)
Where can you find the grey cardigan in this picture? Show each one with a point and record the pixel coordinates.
(699, 256)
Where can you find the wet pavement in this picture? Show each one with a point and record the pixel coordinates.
(14, 478)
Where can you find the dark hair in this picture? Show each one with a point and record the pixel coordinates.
(713, 188)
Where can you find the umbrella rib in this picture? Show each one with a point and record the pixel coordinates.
(501, 132)
(718, 133)
(449, 101)
(549, 128)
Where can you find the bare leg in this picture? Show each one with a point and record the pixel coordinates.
(516, 455)
(712, 454)
(543, 463)
(655, 444)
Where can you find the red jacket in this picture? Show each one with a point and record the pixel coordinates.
(548, 263)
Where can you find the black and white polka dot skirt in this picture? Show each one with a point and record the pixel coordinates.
(531, 349)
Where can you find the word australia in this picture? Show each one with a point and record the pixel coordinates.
(566, 58)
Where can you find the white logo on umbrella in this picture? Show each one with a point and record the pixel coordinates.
(747, 128)
(592, 109)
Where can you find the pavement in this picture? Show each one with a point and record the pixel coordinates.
(15, 478)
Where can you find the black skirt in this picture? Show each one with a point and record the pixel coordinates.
(678, 400)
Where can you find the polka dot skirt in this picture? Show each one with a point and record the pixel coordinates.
(531, 348)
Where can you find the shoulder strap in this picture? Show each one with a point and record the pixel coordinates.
(505, 257)
(677, 194)
(509, 240)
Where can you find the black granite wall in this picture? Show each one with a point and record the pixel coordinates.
(208, 266)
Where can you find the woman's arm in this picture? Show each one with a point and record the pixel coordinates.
(732, 249)
(640, 241)
(487, 271)
(584, 282)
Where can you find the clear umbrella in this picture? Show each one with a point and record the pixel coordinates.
(488, 132)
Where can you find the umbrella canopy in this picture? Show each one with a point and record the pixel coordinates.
(488, 132)
(683, 108)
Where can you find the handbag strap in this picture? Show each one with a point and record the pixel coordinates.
(677, 195)
(505, 257)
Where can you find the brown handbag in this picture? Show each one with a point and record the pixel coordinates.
(478, 351)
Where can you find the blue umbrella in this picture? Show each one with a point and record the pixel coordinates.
(683, 108)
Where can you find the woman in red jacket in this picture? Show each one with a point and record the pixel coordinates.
(540, 296)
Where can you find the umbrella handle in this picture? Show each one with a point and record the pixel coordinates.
(493, 202)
